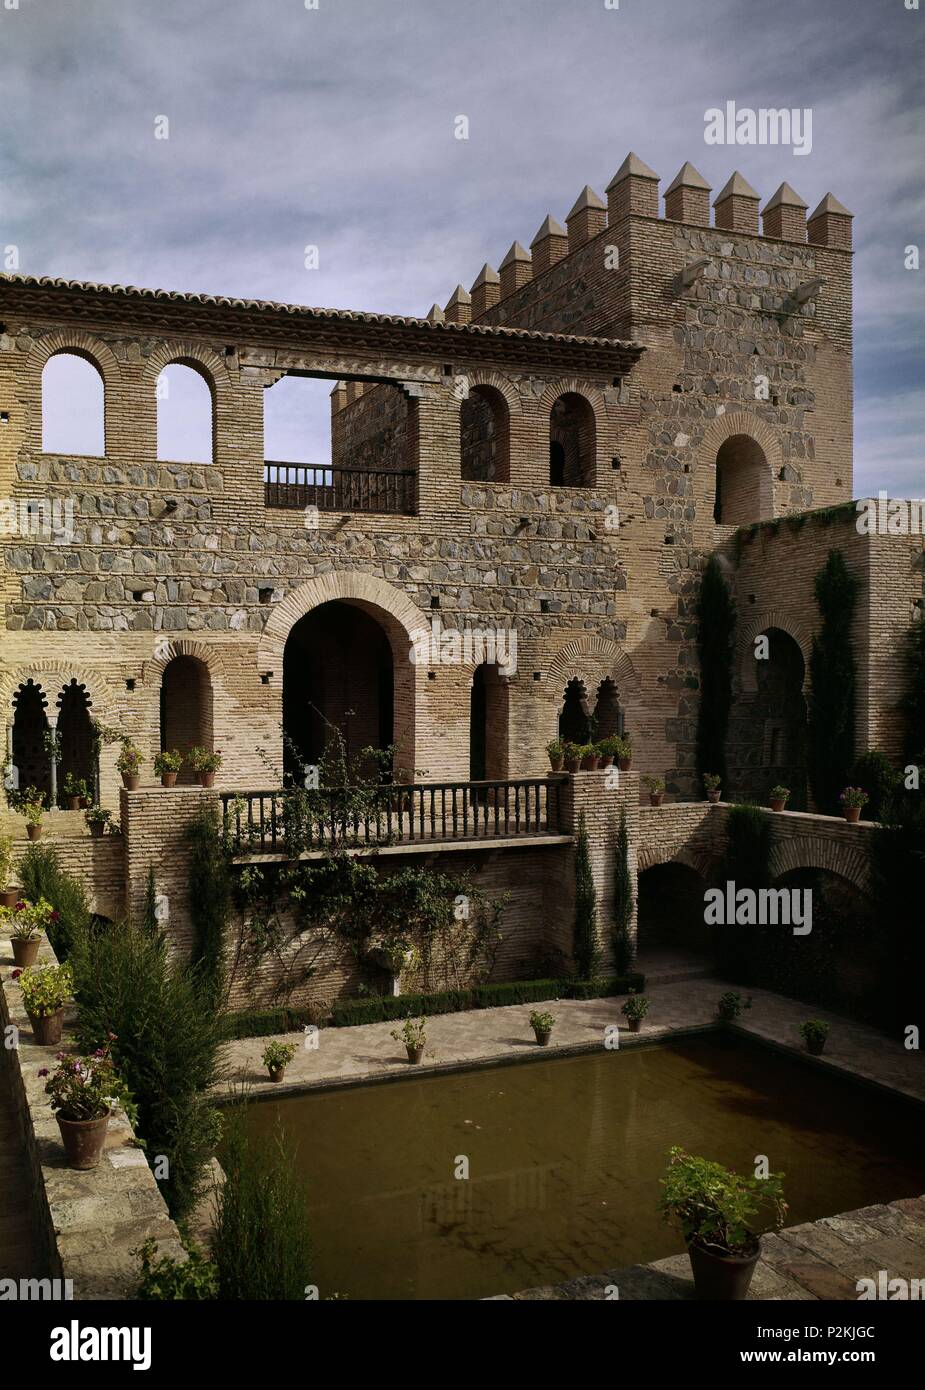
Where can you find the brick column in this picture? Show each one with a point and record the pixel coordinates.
(591, 794)
(154, 825)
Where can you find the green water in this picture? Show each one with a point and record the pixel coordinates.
(564, 1161)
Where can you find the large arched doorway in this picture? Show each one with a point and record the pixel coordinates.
(670, 912)
(744, 490)
(338, 674)
(75, 730)
(30, 727)
(186, 709)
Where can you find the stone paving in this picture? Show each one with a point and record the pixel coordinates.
(351, 1056)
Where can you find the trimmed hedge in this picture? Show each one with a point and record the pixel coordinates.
(382, 1008)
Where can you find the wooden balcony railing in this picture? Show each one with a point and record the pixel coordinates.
(299, 485)
(290, 822)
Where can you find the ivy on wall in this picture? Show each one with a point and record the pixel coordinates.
(833, 678)
(716, 621)
(585, 953)
(622, 899)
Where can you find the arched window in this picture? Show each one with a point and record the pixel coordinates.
(608, 716)
(185, 415)
(73, 406)
(186, 708)
(575, 717)
(31, 760)
(484, 436)
(76, 735)
(744, 489)
(488, 725)
(572, 442)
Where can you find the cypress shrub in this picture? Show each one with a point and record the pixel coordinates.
(832, 669)
(716, 620)
(210, 902)
(876, 774)
(585, 953)
(623, 900)
(43, 877)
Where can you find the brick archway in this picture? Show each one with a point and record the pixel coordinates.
(359, 588)
(813, 852)
(745, 640)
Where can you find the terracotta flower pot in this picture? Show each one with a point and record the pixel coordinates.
(589, 763)
(131, 781)
(655, 798)
(714, 795)
(206, 779)
(606, 760)
(543, 1035)
(634, 1024)
(96, 829)
(572, 764)
(25, 952)
(414, 1053)
(778, 803)
(47, 1030)
(73, 803)
(555, 764)
(34, 832)
(722, 1277)
(852, 814)
(276, 1073)
(815, 1046)
(84, 802)
(83, 1140)
(9, 897)
(624, 764)
(168, 779)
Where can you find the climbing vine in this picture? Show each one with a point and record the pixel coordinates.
(622, 899)
(833, 679)
(585, 952)
(716, 620)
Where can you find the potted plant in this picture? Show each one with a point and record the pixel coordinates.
(625, 753)
(712, 784)
(276, 1058)
(635, 1008)
(72, 790)
(730, 1005)
(556, 750)
(205, 764)
(45, 991)
(778, 798)
(542, 1022)
(9, 897)
(97, 820)
(129, 764)
(852, 800)
(34, 810)
(588, 757)
(814, 1033)
(27, 921)
(413, 1034)
(715, 1209)
(167, 764)
(83, 1092)
(571, 754)
(608, 750)
(656, 789)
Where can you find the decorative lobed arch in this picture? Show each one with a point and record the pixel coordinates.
(755, 627)
(52, 676)
(592, 659)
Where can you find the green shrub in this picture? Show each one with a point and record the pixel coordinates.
(876, 774)
(43, 877)
(716, 621)
(585, 951)
(261, 1244)
(832, 684)
(605, 987)
(168, 1280)
(165, 1047)
(210, 900)
(517, 992)
(381, 1008)
(260, 1023)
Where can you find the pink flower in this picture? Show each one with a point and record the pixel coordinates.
(16, 974)
(43, 1071)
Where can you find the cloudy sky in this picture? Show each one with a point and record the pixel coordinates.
(292, 126)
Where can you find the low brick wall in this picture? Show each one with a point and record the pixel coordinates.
(90, 1222)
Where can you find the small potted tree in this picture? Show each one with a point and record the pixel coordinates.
(572, 756)
(167, 764)
(779, 796)
(656, 789)
(83, 1091)
(625, 753)
(414, 1035)
(716, 1211)
(45, 991)
(205, 764)
(730, 1005)
(713, 786)
(72, 790)
(542, 1022)
(97, 820)
(129, 764)
(608, 750)
(276, 1058)
(9, 896)
(27, 922)
(853, 799)
(33, 808)
(588, 757)
(634, 1009)
(556, 750)
(814, 1033)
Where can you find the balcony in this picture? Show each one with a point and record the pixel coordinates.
(290, 823)
(295, 486)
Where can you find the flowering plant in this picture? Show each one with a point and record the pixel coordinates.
(854, 796)
(45, 988)
(635, 1006)
(28, 920)
(130, 759)
(712, 781)
(169, 760)
(412, 1032)
(96, 815)
(87, 1088)
(202, 760)
(277, 1055)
